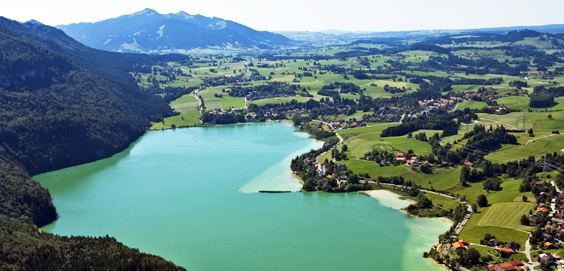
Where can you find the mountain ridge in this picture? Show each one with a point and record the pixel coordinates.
(149, 31)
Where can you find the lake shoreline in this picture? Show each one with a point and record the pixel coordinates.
(385, 197)
(380, 196)
(398, 202)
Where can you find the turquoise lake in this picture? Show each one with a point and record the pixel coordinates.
(189, 195)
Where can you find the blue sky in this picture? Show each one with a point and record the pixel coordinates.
(308, 15)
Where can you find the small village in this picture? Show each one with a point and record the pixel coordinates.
(544, 241)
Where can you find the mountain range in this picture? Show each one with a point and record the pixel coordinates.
(150, 31)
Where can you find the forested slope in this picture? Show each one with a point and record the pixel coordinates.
(62, 104)
(23, 247)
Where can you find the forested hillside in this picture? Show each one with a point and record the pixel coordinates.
(62, 104)
(23, 247)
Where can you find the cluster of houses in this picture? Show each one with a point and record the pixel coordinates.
(386, 115)
(546, 75)
(502, 249)
(345, 124)
(220, 111)
(411, 160)
(552, 215)
(275, 113)
(321, 171)
(549, 216)
(448, 103)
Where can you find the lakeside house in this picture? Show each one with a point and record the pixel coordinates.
(516, 265)
(460, 244)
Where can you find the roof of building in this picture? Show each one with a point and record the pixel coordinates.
(459, 244)
(506, 266)
(504, 250)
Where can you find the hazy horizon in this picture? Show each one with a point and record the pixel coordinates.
(311, 16)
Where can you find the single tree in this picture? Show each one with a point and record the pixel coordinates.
(482, 201)
(524, 220)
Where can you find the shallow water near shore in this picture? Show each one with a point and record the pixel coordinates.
(189, 196)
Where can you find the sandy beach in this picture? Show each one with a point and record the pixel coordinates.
(389, 199)
(280, 177)
(423, 231)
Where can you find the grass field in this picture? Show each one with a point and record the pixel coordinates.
(539, 121)
(506, 215)
(216, 98)
(442, 202)
(502, 218)
(515, 102)
(509, 193)
(474, 233)
(186, 119)
(375, 88)
(362, 140)
(358, 116)
(441, 179)
(186, 103)
(471, 105)
(280, 100)
(189, 115)
(541, 145)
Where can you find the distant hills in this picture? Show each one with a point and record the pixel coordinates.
(528, 38)
(150, 31)
(335, 37)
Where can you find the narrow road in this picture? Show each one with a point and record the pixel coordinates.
(539, 138)
(531, 264)
(341, 140)
(527, 251)
(200, 101)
